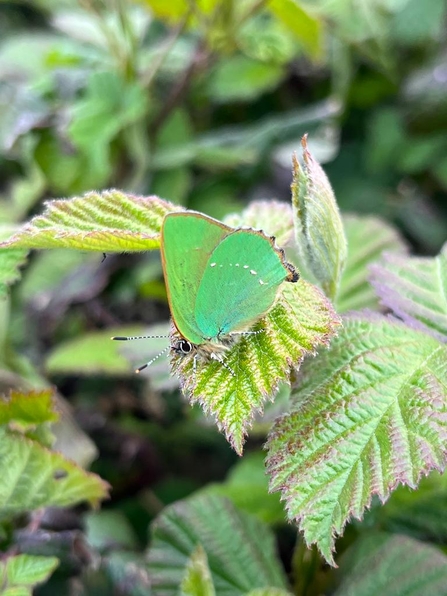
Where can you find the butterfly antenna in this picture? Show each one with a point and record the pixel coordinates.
(140, 368)
(247, 332)
(130, 337)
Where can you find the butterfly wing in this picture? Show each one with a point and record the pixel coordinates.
(239, 283)
(187, 240)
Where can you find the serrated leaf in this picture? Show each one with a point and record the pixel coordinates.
(370, 413)
(197, 580)
(240, 549)
(301, 320)
(19, 574)
(319, 230)
(111, 221)
(34, 477)
(368, 237)
(35, 407)
(10, 262)
(392, 566)
(415, 289)
(275, 218)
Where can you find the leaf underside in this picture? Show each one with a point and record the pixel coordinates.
(415, 289)
(370, 413)
(111, 221)
(301, 320)
(10, 262)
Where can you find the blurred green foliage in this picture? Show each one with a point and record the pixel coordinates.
(202, 103)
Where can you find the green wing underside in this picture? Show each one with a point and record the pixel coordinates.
(240, 283)
(218, 280)
(187, 241)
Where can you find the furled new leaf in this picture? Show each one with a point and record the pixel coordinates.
(240, 549)
(415, 289)
(19, 574)
(301, 320)
(370, 413)
(197, 580)
(368, 237)
(319, 230)
(392, 565)
(110, 221)
(34, 477)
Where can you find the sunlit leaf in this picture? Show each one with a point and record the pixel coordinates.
(369, 414)
(368, 237)
(32, 408)
(392, 566)
(306, 28)
(301, 320)
(415, 289)
(197, 580)
(273, 217)
(240, 549)
(19, 574)
(34, 477)
(109, 221)
(241, 79)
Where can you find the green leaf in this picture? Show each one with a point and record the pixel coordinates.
(305, 27)
(10, 262)
(369, 414)
(420, 513)
(239, 78)
(269, 592)
(318, 226)
(274, 218)
(19, 574)
(197, 580)
(392, 566)
(34, 477)
(110, 221)
(247, 487)
(415, 289)
(109, 529)
(240, 549)
(36, 407)
(301, 320)
(368, 237)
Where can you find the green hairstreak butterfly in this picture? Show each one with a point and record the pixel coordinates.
(220, 280)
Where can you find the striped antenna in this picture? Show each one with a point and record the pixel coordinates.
(131, 337)
(140, 368)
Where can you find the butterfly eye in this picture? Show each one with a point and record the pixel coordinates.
(183, 346)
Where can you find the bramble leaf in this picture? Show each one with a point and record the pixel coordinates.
(272, 217)
(19, 574)
(34, 477)
(301, 320)
(368, 237)
(223, 531)
(110, 221)
(392, 565)
(319, 230)
(370, 413)
(415, 289)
